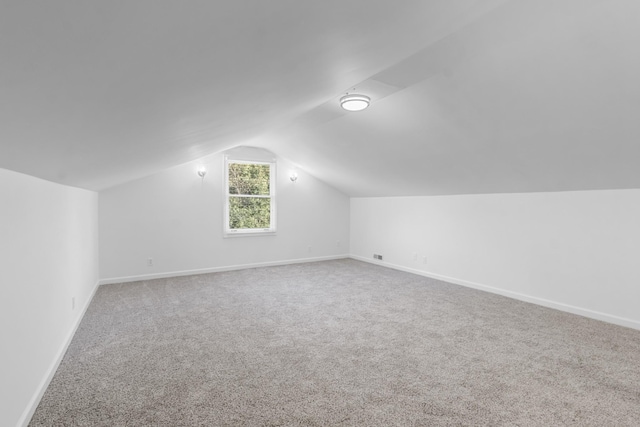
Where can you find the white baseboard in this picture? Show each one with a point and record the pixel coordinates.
(42, 387)
(629, 323)
(216, 269)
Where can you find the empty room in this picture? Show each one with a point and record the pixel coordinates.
(329, 213)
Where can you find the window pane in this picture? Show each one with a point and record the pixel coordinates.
(249, 179)
(249, 212)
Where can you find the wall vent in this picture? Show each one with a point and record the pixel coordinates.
(376, 256)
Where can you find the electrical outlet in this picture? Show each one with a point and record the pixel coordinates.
(378, 257)
(424, 260)
(309, 249)
(338, 243)
(73, 303)
(149, 262)
(415, 256)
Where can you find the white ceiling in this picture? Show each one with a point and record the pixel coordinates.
(468, 96)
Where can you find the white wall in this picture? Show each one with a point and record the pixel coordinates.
(49, 254)
(577, 251)
(176, 218)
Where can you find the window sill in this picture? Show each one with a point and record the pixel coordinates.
(247, 233)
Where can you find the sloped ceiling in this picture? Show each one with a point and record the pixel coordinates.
(468, 96)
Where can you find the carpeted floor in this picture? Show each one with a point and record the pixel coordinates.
(337, 343)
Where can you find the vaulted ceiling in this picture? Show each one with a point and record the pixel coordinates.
(469, 96)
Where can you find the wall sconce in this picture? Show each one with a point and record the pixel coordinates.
(293, 177)
(202, 172)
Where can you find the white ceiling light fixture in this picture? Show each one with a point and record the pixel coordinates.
(354, 102)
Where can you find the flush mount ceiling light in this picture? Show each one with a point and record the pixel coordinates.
(354, 102)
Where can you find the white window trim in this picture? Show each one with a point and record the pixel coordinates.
(246, 232)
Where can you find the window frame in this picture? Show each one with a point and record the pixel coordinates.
(244, 232)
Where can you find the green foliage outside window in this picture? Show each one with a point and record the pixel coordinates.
(249, 196)
(249, 212)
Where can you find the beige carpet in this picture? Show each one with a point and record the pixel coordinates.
(338, 343)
